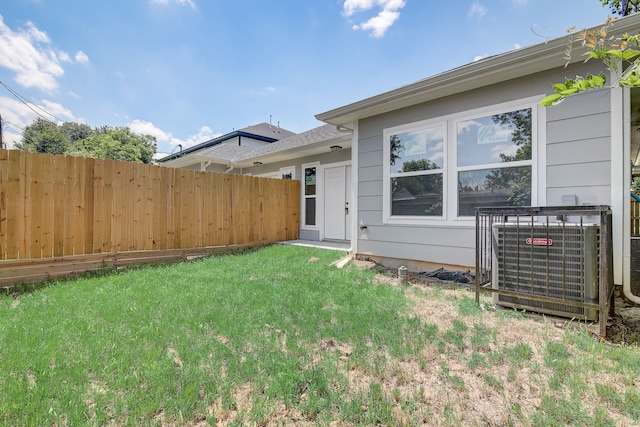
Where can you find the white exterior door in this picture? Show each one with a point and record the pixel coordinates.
(337, 197)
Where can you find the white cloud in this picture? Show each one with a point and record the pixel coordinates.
(82, 57)
(516, 46)
(379, 24)
(189, 3)
(148, 128)
(26, 52)
(64, 56)
(477, 10)
(58, 110)
(479, 57)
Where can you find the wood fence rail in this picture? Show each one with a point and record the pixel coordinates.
(61, 206)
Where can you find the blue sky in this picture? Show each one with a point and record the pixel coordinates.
(189, 70)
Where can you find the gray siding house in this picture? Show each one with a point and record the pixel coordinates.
(425, 155)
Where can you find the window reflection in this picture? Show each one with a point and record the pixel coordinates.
(416, 151)
(493, 187)
(494, 139)
(417, 195)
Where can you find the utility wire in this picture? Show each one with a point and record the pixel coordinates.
(28, 103)
(13, 125)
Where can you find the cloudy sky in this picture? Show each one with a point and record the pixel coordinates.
(189, 70)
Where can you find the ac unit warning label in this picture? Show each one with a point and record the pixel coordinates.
(539, 241)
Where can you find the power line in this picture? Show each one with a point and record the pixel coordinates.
(26, 102)
(13, 125)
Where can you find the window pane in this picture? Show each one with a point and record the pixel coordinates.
(310, 211)
(495, 139)
(493, 187)
(416, 151)
(310, 182)
(417, 195)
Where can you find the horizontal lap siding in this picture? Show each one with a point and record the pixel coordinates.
(578, 145)
(579, 150)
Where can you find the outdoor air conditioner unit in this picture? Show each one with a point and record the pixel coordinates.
(557, 260)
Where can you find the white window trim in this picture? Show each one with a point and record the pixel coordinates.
(450, 172)
(303, 211)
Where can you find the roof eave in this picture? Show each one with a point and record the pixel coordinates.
(294, 152)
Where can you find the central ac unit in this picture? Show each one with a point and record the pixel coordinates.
(556, 260)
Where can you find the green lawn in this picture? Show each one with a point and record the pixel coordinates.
(279, 336)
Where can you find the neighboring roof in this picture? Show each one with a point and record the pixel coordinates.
(226, 151)
(491, 70)
(320, 134)
(313, 141)
(261, 131)
(267, 130)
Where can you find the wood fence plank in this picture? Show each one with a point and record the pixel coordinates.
(187, 216)
(138, 223)
(107, 206)
(98, 221)
(161, 210)
(80, 207)
(177, 208)
(34, 206)
(130, 236)
(89, 202)
(47, 204)
(4, 160)
(59, 205)
(70, 191)
(118, 184)
(149, 202)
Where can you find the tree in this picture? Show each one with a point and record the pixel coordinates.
(79, 139)
(622, 7)
(77, 131)
(620, 55)
(117, 144)
(32, 134)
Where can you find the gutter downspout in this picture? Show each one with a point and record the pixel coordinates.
(204, 166)
(620, 128)
(229, 169)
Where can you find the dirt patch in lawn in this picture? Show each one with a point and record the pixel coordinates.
(622, 328)
(461, 383)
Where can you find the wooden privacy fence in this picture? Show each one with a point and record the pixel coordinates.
(59, 214)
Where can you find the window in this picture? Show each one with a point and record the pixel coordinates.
(288, 173)
(415, 168)
(310, 189)
(494, 161)
(443, 169)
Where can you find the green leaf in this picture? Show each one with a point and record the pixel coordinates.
(629, 54)
(552, 100)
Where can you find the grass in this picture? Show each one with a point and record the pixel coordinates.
(277, 335)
